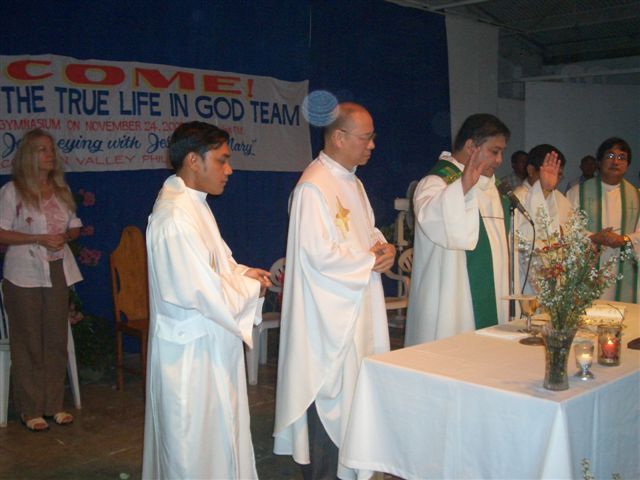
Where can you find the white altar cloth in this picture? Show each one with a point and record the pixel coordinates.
(473, 406)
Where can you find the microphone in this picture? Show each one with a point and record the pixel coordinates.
(505, 189)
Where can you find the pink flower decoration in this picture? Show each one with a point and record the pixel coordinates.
(89, 199)
(89, 257)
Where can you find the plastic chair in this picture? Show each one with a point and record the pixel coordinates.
(5, 365)
(403, 277)
(129, 286)
(260, 332)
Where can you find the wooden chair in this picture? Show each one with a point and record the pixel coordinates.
(403, 277)
(130, 290)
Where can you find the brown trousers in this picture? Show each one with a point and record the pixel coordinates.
(38, 337)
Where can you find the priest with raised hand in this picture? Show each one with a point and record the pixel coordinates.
(333, 309)
(203, 306)
(612, 205)
(539, 193)
(461, 258)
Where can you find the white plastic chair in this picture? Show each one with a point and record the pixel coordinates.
(5, 366)
(403, 277)
(269, 320)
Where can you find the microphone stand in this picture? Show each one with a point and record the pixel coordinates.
(512, 262)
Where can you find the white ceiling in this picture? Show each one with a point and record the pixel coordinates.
(544, 38)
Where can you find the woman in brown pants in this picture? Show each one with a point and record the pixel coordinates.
(37, 220)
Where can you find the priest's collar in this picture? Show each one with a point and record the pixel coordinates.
(196, 195)
(610, 188)
(335, 167)
(176, 183)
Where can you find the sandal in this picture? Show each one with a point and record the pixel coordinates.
(63, 418)
(34, 424)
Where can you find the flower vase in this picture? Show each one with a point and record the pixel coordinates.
(557, 345)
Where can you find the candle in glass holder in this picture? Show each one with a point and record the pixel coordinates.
(609, 343)
(584, 358)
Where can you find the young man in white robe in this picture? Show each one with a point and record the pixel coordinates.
(539, 193)
(202, 308)
(460, 256)
(333, 312)
(612, 205)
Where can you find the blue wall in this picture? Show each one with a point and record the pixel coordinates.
(389, 58)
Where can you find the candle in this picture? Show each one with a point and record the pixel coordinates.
(609, 345)
(610, 349)
(584, 359)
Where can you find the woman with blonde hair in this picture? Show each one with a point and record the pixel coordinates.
(37, 220)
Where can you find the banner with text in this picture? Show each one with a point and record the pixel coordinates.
(119, 115)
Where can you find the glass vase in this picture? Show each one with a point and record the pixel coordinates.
(557, 346)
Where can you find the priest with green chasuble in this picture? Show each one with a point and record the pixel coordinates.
(461, 260)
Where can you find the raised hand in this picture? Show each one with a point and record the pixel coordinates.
(550, 171)
(472, 170)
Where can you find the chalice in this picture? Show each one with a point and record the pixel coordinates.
(528, 306)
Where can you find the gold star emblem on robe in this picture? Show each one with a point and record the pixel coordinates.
(342, 218)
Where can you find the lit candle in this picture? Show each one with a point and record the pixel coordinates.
(610, 349)
(584, 359)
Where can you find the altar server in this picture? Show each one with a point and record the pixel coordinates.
(203, 306)
(461, 259)
(333, 310)
(612, 205)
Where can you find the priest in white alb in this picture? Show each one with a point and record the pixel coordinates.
(203, 306)
(538, 193)
(333, 311)
(461, 268)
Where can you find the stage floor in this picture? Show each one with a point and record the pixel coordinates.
(105, 440)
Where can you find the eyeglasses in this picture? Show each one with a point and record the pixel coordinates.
(620, 156)
(365, 138)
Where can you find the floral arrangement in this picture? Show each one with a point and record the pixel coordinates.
(567, 274)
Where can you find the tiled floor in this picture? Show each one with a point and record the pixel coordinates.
(105, 441)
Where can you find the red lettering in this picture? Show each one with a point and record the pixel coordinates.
(155, 79)
(77, 74)
(218, 84)
(18, 70)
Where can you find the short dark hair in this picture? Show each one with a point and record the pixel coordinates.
(537, 154)
(196, 137)
(479, 127)
(584, 159)
(611, 142)
(515, 155)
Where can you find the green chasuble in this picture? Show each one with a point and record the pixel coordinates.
(591, 203)
(479, 260)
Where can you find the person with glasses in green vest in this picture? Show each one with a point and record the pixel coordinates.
(612, 205)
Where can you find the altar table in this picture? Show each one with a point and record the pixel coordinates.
(473, 406)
